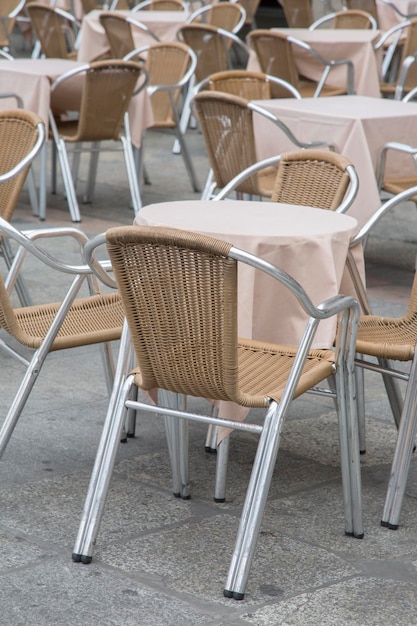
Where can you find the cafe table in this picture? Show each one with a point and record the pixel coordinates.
(93, 40)
(332, 44)
(356, 126)
(31, 79)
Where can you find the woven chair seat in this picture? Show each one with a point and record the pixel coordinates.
(89, 320)
(388, 338)
(397, 185)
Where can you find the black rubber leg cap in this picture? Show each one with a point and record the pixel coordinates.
(210, 450)
(86, 560)
(186, 497)
(177, 495)
(227, 594)
(76, 557)
(130, 435)
(388, 525)
(362, 452)
(219, 499)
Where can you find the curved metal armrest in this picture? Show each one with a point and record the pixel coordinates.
(390, 32)
(69, 74)
(384, 208)
(382, 155)
(97, 267)
(235, 39)
(285, 129)
(15, 12)
(410, 95)
(321, 20)
(68, 16)
(246, 173)
(405, 68)
(27, 160)
(328, 65)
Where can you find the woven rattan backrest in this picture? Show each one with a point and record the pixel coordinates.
(107, 91)
(298, 13)
(209, 46)
(275, 55)
(119, 34)
(243, 83)
(18, 135)
(6, 23)
(166, 5)
(363, 5)
(316, 178)
(351, 19)
(225, 15)
(55, 33)
(166, 64)
(227, 126)
(179, 291)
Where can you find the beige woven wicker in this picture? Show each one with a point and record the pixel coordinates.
(119, 32)
(179, 291)
(298, 13)
(227, 15)
(9, 12)
(317, 178)
(250, 85)
(275, 56)
(363, 5)
(56, 30)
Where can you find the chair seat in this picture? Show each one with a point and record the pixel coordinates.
(387, 338)
(397, 185)
(89, 320)
(264, 370)
(308, 89)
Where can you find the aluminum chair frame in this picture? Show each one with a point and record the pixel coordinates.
(8, 19)
(401, 183)
(251, 518)
(124, 137)
(53, 43)
(149, 5)
(320, 89)
(235, 101)
(394, 35)
(172, 90)
(404, 409)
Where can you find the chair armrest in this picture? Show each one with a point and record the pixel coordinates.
(301, 144)
(244, 174)
(141, 26)
(328, 66)
(382, 155)
(397, 10)
(405, 68)
(96, 267)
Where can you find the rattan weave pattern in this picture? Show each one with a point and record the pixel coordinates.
(314, 178)
(181, 307)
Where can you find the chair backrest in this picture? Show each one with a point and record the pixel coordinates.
(119, 34)
(210, 47)
(19, 135)
(228, 15)
(410, 49)
(160, 5)
(298, 13)
(275, 54)
(9, 10)
(249, 85)
(316, 178)
(226, 122)
(350, 18)
(168, 332)
(363, 5)
(55, 30)
(108, 87)
(166, 64)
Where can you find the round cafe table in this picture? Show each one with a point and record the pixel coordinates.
(310, 244)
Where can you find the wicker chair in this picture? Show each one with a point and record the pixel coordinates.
(275, 56)
(180, 288)
(10, 10)
(250, 85)
(119, 31)
(56, 31)
(226, 122)
(22, 135)
(312, 177)
(350, 18)
(170, 66)
(91, 319)
(160, 5)
(362, 5)
(395, 185)
(108, 87)
(391, 339)
(298, 13)
(399, 70)
(228, 15)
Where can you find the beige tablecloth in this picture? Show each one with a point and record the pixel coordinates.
(334, 44)
(94, 42)
(388, 17)
(357, 126)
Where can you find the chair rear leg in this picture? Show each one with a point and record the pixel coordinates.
(68, 182)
